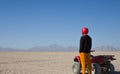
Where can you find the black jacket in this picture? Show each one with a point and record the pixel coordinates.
(85, 44)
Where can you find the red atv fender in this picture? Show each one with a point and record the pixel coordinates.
(77, 59)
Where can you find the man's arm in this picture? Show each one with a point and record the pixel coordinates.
(81, 47)
(90, 43)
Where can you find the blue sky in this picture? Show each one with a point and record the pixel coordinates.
(28, 23)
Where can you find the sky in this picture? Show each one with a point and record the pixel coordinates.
(28, 23)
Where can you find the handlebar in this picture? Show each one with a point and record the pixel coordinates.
(92, 51)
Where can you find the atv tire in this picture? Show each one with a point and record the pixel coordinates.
(96, 69)
(76, 68)
(111, 68)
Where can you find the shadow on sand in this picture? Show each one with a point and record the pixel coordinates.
(117, 72)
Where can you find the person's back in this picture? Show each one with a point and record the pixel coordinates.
(85, 44)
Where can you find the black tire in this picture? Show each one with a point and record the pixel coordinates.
(111, 68)
(96, 69)
(76, 68)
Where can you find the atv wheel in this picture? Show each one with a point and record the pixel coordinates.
(111, 68)
(76, 68)
(96, 69)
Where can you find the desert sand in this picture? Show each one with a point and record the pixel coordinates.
(44, 62)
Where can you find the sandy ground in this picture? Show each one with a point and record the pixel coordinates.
(44, 62)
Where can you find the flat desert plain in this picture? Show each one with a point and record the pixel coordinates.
(45, 62)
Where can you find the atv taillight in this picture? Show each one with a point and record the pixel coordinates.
(111, 57)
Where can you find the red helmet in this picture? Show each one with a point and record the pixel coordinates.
(85, 30)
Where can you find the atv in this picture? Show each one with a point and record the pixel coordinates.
(101, 64)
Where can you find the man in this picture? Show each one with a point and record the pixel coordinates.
(84, 50)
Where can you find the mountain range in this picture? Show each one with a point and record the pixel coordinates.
(55, 47)
(106, 48)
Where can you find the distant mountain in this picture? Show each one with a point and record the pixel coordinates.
(70, 48)
(106, 48)
(7, 49)
(53, 47)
